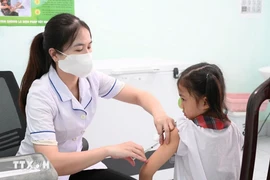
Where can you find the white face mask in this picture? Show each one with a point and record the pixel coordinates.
(79, 65)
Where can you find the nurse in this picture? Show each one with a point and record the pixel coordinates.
(59, 92)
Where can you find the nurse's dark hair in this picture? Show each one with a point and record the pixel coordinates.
(60, 31)
(206, 80)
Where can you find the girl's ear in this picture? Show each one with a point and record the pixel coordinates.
(205, 103)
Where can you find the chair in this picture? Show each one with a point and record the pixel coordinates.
(259, 95)
(12, 120)
(85, 144)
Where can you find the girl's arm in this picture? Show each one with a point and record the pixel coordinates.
(160, 157)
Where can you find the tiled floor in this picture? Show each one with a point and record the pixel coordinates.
(262, 158)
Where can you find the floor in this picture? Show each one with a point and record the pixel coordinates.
(262, 158)
(261, 163)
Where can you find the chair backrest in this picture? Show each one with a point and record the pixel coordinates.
(12, 121)
(259, 95)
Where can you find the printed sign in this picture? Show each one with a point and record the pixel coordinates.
(32, 12)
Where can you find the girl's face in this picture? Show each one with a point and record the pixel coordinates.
(191, 107)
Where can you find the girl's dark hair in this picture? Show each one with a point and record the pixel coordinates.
(206, 80)
(61, 30)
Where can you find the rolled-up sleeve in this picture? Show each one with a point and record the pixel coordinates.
(109, 86)
(184, 133)
(39, 116)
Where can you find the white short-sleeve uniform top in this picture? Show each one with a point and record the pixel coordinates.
(207, 154)
(55, 116)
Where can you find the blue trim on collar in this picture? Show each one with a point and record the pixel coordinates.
(88, 103)
(59, 86)
(80, 110)
(55, 89)
(65, 95)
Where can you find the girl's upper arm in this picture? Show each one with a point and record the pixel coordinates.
(160, 156)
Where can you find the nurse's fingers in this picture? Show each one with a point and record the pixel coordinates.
(169, 126)
(130, 160)
(138, 147)
(140, 152)
(137, 156)
(160, 133)
(159, 128)
(172, 124)
(127, 149)
(167, 134)
(161, 139)
(137, 152)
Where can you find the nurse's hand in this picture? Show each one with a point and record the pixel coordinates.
(128, 151)
(165, 124)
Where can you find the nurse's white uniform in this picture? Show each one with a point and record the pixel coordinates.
(55, 116)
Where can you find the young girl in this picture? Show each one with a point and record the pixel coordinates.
(206, 144)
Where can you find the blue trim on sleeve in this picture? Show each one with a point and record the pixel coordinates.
(110, 89)
(42, 132)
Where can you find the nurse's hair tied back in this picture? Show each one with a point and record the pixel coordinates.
(59, 33)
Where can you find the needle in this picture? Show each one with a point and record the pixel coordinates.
(148, 149)
(145, 151)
